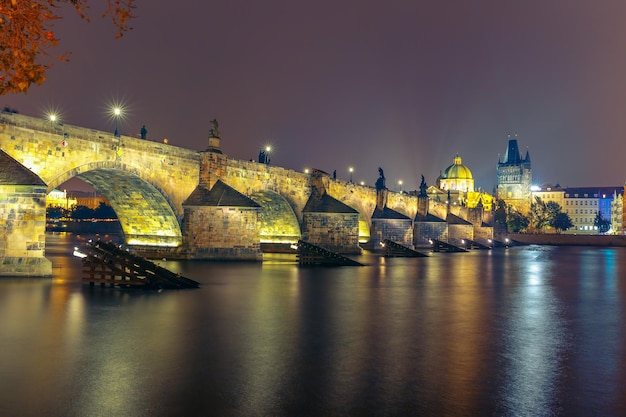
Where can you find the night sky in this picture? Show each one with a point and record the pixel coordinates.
(400, 84)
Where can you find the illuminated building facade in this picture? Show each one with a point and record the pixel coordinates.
(58, 198)
(548, 193)
(617, 212)
(583, 203)
(515, 178)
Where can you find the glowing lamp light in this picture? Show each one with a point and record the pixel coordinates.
(117, 112)
(535, 188)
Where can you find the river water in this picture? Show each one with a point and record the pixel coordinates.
(524, 331)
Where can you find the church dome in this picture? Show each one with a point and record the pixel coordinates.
(457, 177)
(457, 171)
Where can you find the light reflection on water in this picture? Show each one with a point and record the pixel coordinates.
(525, 331)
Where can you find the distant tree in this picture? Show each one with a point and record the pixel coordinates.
(601, 223)
(26, 36)
(104, 211)
(82, 213)
(500, 212)
(548, 214)
(516, 222)
(56, 212)
(539, 215)
(562, 222)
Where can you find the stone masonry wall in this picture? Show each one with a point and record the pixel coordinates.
(22, 231)
(458, 232)
(222, 233)
(397, 230)
(337, 232)
(429, 230)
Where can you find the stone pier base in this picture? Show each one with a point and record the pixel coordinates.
(25, 267)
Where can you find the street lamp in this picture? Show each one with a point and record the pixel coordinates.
(268, 149)
(116, 113)
(400, 184)
(351, 171)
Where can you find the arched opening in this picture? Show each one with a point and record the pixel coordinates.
(146, 217)
(278, 222)
(76, 207)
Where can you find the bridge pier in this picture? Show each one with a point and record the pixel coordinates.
(22, 221)
(329, 223)
(219, 222)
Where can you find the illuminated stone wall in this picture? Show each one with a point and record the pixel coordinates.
(222, 233)
(277, 221)
(397, 230)
(458, 232)
(483, 234)
(424, 231)
(22, 231)
(337, 232)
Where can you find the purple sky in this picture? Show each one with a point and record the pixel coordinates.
(400, 84)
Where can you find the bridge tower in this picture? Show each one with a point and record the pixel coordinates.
(515, 178)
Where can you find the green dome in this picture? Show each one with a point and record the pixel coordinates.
(457, 171)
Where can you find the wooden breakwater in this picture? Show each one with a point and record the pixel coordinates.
(310, 254)
(568, 239)
(393, 249)
(105, 263)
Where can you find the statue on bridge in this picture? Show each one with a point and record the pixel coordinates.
(423, 187)
(214, 132)
(380, 182)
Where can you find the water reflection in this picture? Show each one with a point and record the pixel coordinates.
(524, 331)
(535, 341)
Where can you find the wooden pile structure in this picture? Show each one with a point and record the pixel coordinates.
(394, 249)
(472, 244)
(440, 246)
(309, 254)
(106, 263)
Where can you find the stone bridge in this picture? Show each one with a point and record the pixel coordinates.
(166, 196)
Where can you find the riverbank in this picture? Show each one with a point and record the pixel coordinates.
(568, 240)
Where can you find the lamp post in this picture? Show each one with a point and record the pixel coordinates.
(400, 184)
(351, 171)
(268, 149)
(116, 113)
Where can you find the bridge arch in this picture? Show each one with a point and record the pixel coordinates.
(278, 221)
(145, 212)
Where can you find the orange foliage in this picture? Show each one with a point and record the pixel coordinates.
(26, 36)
